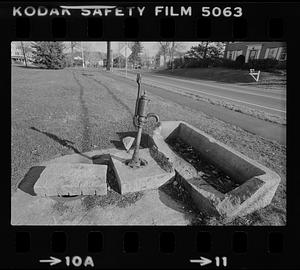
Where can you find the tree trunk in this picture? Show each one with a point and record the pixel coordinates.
(72, 54)
(205, 50)
(172, 56)
(25, 60)
(108, 58)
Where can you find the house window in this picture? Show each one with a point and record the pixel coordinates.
(283, 55)
(253, 54)
(229, 54)
(233, 55)
(272, 53)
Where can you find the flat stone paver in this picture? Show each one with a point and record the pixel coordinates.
(72, 179)
(153, 208)
(129, 179)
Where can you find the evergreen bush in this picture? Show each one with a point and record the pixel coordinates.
(49, 54)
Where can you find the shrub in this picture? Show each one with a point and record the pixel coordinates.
(190, 63)
(257, 64)
(263, 64)
(195, 63)
(240, 61)
(281, 65)
(229, 63)
(177, 63)
(216, 62)
(49, 55)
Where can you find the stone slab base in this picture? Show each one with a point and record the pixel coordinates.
(72, 179)
(129, 179)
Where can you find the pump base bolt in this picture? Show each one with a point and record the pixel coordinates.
(136, 164)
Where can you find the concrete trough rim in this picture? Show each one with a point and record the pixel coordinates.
(269, 178)
(213, 140)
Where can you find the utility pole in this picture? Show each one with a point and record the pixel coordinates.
(119, 55)
(126, 59)
(112, 60)
(172, 56)
(72, 54)
(22, 45)
(108, 58)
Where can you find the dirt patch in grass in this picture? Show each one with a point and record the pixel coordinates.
(112, 198)
(61, 207)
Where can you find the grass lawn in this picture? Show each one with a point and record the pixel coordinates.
(58, 112)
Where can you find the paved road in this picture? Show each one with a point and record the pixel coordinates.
(267, 100)
(251, 124)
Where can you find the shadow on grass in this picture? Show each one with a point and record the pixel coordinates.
(29, 67)
(30, 178)
(63, 142)
(105, 159)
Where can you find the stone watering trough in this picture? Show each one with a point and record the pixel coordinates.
(255, 185)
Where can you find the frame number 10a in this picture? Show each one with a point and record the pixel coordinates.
(76, 261)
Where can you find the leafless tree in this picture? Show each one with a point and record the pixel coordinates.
(164, 49)
(73, 46)
(174, 47)
(169, 49)
(24, 54)
(25, 48)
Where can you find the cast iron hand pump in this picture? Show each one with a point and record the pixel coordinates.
(139, 120)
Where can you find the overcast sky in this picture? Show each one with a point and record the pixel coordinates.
(150, 48)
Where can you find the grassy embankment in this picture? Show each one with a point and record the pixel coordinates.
(273, 81)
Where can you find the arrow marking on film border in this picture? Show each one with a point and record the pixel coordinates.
(203, 261)
(52, 261)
